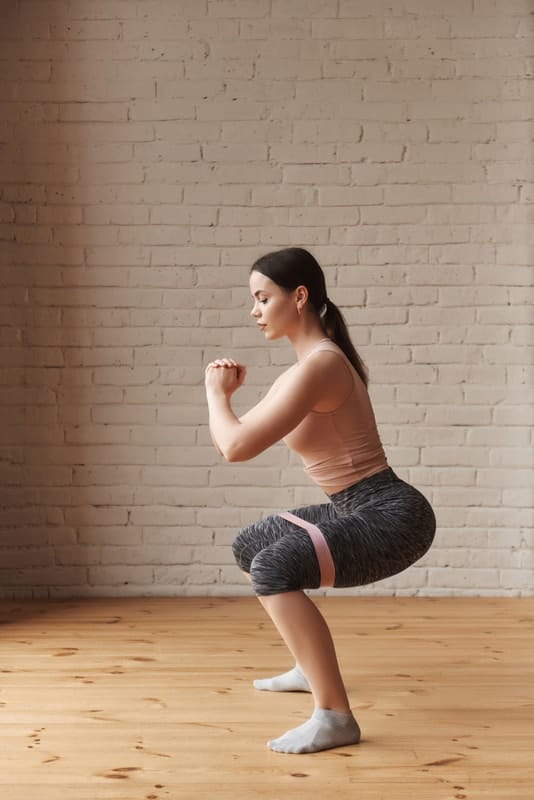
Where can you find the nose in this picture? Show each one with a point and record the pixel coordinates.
(255, 312)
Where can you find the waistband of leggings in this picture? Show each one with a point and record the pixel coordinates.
(382, 479)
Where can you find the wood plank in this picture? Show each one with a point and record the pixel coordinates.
(136, 699)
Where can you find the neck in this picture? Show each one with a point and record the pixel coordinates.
(308, 334)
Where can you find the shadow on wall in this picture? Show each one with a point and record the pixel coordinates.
(36, 265)
(93, 379)
(55, 201)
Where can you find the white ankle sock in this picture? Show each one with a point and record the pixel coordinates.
(325, 729)
(292, 681)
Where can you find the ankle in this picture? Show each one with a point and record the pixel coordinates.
(338, 709)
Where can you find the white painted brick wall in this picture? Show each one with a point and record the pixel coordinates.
(150, 150)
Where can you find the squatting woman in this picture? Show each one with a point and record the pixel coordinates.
(373, 524)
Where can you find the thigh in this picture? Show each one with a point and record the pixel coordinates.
(382, 538)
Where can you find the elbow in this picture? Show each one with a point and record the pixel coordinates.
(233, 455)
(237, 451)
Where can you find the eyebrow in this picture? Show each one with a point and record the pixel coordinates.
(260, 291)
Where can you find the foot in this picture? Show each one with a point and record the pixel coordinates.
(325, 729)
(292, 681)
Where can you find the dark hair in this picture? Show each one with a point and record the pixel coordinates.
(294, 267)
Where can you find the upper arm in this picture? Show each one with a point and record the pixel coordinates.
(286, 404)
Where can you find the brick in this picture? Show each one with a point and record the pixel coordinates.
(308, 237)
(325, 131)
(505, 67)
(518, 498)
(267, 131)
(190, 574)
(221, 110)
(494, 8)
(424, 436)
(14, 558)
(156, 30)
(420, 195)
(308, 8)
(288, 69)
(512, 457)
(282, 196)
(517, 578)
(238, 8)
(179, 476)
(216, 195)
(119, 575)
(513, 110)
(96, 30)
(217, 29)
(404, 335)
(350, 196)
(484, 578)
(43, 577)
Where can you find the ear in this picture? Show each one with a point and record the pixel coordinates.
(301, 296)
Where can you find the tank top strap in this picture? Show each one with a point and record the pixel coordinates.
(322, 344)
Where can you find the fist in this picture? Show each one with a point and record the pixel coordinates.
(224, 374)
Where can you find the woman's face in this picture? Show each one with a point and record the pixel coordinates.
(274, 309)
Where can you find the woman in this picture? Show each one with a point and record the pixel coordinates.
(374, 525)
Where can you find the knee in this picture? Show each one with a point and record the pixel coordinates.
(259, 576)
(268, 577)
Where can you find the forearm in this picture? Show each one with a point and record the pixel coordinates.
(223, 424)
(214, 442)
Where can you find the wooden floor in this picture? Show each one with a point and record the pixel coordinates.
(150, 699)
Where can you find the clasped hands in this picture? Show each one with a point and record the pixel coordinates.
(224, 375)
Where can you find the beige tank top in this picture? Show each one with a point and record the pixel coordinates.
(339, 448)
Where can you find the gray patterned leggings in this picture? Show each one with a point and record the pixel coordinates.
(374, 529)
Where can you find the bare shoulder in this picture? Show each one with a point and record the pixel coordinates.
(334, 375)
(323, 375)
(327, 361)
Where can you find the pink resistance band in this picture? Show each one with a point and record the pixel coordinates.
(324, 557)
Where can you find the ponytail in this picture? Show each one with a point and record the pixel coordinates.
(336, 329)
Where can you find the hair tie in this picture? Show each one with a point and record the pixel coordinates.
(324, 309)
